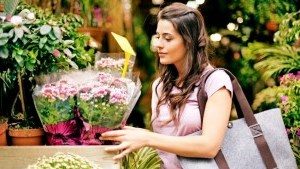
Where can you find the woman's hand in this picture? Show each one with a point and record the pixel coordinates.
(130, 139)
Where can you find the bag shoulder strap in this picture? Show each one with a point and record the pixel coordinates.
(240, 101)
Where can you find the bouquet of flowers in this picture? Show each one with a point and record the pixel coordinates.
(77, 107)
(55, 103)
(105, 104)
(60, 160)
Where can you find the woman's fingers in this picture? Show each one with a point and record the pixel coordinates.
(122, 154)
(113, 133)
(119, 147)
(114, 138)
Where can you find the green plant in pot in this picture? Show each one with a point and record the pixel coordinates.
(34, 42)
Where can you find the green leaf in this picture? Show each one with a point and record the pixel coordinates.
(20, 52)
(19, 32)
(4, 53)
(25, 29)
(30, 65)
(42, 42)
(3, 41)
(15, 39)
(57, 32)
(19, 60)
(52, 36)
(73, 64)
(68, 53)
(45, 29)
(11, 33)
(4, 35)
(68, 42)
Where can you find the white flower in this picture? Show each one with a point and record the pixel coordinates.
(16, 20)
(31, 16)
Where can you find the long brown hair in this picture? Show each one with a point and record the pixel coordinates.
(190, 25)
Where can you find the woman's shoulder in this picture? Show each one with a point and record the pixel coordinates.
(217, 80)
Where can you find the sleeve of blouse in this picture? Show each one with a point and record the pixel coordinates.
(216, 81)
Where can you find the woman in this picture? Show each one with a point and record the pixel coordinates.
(181, 43)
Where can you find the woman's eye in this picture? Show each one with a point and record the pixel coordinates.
(168, 39)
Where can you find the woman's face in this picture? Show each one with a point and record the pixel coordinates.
(169, 44)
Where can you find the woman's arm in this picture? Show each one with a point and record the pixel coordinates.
(207, 145)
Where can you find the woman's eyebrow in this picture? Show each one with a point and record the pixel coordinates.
(163, 34)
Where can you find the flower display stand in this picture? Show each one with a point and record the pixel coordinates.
(19, 157)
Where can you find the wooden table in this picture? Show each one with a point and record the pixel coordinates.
(19, 157)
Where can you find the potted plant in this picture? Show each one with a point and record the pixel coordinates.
(33, 42)
(3, 129)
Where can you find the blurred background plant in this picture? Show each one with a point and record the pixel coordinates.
(280, 63)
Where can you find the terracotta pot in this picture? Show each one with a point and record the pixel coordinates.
(3, 128)
(26, 137)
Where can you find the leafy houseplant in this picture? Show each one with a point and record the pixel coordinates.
(34, 42)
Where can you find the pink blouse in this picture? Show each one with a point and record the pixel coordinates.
(190, 121)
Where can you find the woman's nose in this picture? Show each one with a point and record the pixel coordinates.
(157, 43)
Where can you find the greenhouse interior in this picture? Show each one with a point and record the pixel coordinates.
(82, 83)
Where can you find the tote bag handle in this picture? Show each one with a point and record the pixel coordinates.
(244, 110)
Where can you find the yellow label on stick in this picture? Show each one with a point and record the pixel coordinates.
(126, 47)
(124, 44)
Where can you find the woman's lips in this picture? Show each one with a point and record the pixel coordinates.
(161, 54)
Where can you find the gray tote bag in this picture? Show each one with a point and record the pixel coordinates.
(254, 141)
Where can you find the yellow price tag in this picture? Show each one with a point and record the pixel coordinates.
(123, 43)
(126, 47)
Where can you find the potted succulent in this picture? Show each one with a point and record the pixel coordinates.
(33, 42)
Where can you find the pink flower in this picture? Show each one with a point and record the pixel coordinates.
(56, 53)
(284, 99)
(117, 96)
